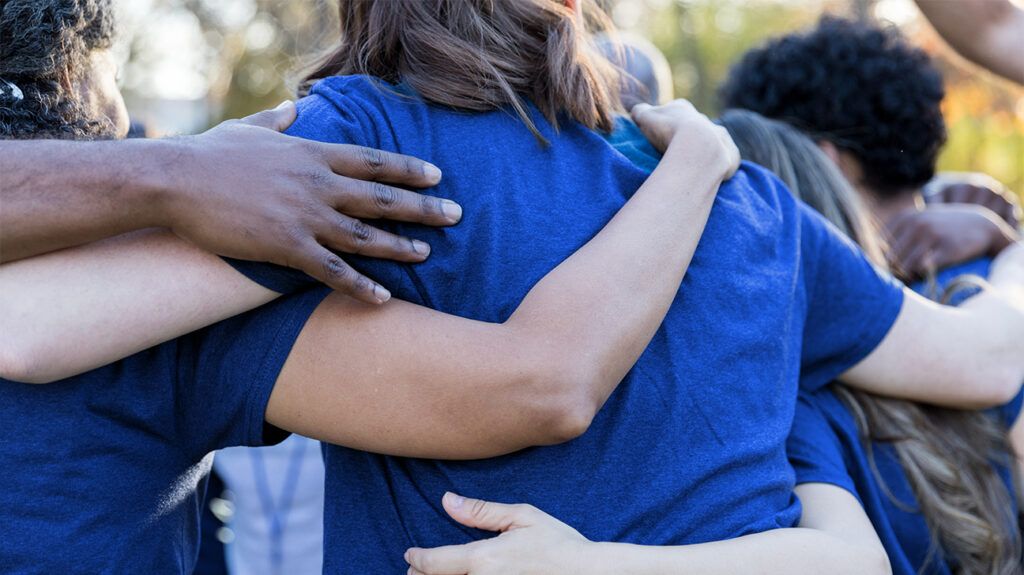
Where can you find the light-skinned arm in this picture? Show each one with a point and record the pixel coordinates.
(986, 32)
(407, 380)
(241, 190)
(967, 357)
(834, 536)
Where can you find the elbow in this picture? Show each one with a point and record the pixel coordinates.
(565, 405)
(876, 561)
(570, 419)
(18, 366)
(863, 559)
(1004, 384)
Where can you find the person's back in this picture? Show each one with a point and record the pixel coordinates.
(691, 446)
(104, 472)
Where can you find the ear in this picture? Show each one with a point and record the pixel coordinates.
(830, 150)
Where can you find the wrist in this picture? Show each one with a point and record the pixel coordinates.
(161, 188)
(696, 163)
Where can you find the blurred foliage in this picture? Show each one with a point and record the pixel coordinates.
(252, 50)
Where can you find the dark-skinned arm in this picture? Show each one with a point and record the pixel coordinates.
(401, 378)
(241, 190)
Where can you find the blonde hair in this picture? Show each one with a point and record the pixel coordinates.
(949, 456)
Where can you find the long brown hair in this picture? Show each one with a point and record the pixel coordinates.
(482, 55)
(949, 456)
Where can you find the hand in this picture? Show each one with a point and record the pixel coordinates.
(531, 543)
(944, 235)
(250, 193)
(978, 189)
(680, 125)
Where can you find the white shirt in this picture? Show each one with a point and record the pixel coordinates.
(282, 484)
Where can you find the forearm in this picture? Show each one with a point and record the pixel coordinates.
(596, 313)
(74, 310)
(415, 382)
(970, 357)
(782, 552)
(987, 32)
(56, 194)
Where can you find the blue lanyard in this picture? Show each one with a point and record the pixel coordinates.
(277, 513)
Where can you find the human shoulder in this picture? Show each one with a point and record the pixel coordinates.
(351, 109)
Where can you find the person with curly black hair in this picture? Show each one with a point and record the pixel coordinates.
(102, 471)
(862, 89)
(873, 103)
(58, 82)
(59, 72)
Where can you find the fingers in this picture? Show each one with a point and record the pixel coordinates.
(326, 266)
(448, 560)
(352, 236)
(279, 119)
(373, 200)
(918, 259)
(910, 241)
(379, 166)
(731, 151)
(488, 515)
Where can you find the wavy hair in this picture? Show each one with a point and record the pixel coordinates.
(481, 55)
(45, 47)
(949, 456)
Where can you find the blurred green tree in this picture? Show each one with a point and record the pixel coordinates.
(249, 52)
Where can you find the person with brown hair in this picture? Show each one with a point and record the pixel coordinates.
(102, 472)
(939, 485)
(510, 100)
(58, 83)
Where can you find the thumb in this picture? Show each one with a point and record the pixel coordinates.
(277, 119)
(638, 111)
(487, 515)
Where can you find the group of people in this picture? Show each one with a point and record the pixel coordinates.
(642, 342)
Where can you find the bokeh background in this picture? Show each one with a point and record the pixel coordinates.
(189, 64)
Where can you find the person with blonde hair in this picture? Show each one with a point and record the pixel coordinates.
(938, 485)
(511, 101)
(103, 470)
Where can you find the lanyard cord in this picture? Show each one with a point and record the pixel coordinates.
(277, 513)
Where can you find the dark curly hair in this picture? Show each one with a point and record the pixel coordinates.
(859, 86)
(45, 47)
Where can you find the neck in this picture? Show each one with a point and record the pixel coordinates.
(886, 207)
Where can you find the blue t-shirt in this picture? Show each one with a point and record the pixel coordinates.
(691, 446)
(825, 446)
(104, 472)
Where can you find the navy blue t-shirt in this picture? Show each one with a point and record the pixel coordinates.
(104, 472)
(691, 446)
(825, 447)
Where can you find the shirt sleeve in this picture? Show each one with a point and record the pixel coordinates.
(814, 449)
(333, 113)
(227, 371)
(851, 304)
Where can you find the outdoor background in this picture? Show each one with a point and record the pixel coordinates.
(189, 64)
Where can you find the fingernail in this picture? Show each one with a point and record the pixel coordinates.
(283, 105)
(381, 294)
(432, 172)
(454, 501)
(451, 210)
(422, 248)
